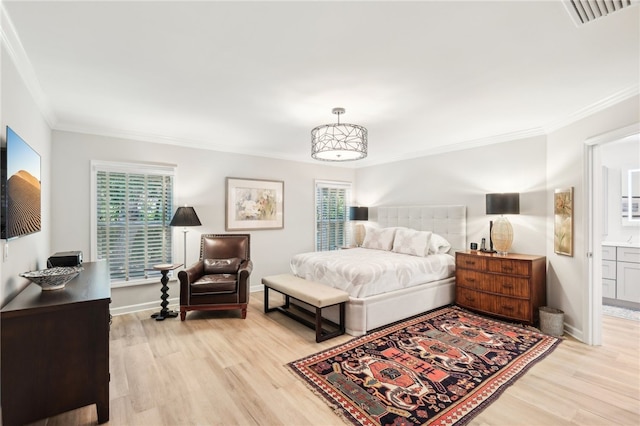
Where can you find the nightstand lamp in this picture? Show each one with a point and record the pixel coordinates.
(502, 231)
(358, 214)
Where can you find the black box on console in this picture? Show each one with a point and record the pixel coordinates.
(65, 258)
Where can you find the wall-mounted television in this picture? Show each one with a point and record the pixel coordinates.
(21, 193)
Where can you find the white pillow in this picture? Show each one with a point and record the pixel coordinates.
(379, 239)
(438, 244)
(410, 241)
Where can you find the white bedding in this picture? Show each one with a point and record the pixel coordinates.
(365, 272)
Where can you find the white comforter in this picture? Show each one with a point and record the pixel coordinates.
(365, 272)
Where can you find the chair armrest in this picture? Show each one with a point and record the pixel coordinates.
(186, 277)
(246, 267)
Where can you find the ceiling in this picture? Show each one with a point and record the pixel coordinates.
(255, 77)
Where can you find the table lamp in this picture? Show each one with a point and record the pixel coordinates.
(358, 214)
(501, 231)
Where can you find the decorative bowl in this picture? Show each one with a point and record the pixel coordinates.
(53, 278)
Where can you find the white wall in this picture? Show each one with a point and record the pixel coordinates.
(567, 279)
(200, 182)
(464, 177)
(20, 112)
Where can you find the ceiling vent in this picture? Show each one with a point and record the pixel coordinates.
(583, 11)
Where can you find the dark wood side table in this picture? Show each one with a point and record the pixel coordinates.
(55, 348)
(164, 312)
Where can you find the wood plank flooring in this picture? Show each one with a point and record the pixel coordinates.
(217, 369)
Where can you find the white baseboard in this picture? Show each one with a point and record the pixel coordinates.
(572, 331)
(174, 303)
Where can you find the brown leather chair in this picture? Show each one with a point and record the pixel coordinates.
(220, 279)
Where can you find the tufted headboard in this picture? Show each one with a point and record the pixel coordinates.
(445, 220)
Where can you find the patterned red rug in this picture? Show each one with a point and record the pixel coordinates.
(441, 368)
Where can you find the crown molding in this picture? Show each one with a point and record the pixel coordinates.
(174, 141)
(459, 146)
(597, 106)
(10, 39)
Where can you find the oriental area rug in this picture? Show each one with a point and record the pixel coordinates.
(440, 368)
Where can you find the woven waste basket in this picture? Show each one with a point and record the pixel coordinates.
(551, 321)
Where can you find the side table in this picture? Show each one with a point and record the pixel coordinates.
(164, 270)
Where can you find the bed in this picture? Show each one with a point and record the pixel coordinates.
(390, 284)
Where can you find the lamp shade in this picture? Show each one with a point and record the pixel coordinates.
(358, 213)
(185, 216)
(508, 203)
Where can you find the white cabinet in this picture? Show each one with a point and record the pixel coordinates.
(621, 276)
(609, 270)
(628, 274)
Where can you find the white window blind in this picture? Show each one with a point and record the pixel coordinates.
(133, 209)
(332, 214)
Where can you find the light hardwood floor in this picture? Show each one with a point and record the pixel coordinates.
(217, 369)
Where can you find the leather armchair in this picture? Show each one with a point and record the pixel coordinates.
(220, 279)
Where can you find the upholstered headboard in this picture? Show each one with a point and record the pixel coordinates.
(445, 220)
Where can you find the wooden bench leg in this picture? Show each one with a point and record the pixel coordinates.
(317, 324)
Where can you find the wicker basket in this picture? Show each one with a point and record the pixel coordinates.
(551, 321)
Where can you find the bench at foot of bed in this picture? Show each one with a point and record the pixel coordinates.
(317, 295)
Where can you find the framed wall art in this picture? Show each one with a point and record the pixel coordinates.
(254, 204)
(563, 221)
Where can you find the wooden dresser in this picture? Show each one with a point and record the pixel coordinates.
(55, 349)
(512, 287)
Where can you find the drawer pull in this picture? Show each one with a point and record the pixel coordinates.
(507, 268)
(469, 298)
(507, 285)
(470, 262)
(507, 308)
(471, 280)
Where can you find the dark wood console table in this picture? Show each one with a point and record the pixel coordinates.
(55, 349)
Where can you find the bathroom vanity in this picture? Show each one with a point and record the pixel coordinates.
(621, 274)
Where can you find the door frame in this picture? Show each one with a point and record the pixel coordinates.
(594, 224)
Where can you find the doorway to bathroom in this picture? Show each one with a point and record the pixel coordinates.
(611, 158)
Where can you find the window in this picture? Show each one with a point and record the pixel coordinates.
(132, 208)
(332, 214)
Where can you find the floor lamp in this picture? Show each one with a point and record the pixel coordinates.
(185, 216)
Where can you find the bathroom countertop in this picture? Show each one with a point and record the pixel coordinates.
(620, 244)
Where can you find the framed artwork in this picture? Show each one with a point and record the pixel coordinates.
(254, 204)
(563, 221)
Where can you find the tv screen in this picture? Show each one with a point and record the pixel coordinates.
(20, 187)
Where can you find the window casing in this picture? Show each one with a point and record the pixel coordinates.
(332, 214)
(131, 211)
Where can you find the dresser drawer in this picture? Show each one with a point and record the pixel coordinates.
(509, 266)
(469, 279)
(470, 262)
(473, 299)
(609, 269)
(512, 308)
(608, 253)
(609, 288)
(629, 254)
(510, 286)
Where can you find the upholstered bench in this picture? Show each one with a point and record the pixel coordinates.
(317, 295)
